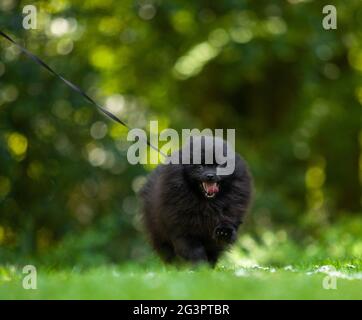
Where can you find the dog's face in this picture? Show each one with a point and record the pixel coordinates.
(205, 178)
(203, 171)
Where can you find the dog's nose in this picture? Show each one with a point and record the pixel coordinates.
(210, 176)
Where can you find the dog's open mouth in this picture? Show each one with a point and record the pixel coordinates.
(210, 189)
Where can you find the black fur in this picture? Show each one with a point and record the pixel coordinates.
(182, 222)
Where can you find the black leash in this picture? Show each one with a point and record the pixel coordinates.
(72, 86)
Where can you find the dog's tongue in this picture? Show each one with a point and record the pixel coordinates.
(211, 187)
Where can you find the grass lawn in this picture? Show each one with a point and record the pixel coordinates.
(160, 282)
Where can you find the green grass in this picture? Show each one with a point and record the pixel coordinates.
(160, 282)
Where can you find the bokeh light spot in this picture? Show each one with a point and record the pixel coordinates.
(17, 144)
(103, 58)
(59, 27)
(97, 156)
(147, 11)
(98, 130)
(314, 177)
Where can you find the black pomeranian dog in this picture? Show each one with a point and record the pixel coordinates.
(192, 212)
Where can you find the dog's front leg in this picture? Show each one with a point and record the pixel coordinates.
(189, 249)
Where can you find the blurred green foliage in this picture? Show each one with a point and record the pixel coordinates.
(292, 90)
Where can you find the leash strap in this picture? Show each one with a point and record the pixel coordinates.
(72, 86)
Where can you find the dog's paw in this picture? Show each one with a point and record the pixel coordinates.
(225, 234)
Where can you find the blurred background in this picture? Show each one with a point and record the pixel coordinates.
(291, 89)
